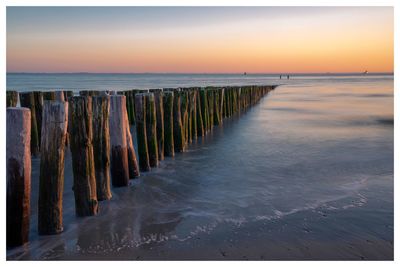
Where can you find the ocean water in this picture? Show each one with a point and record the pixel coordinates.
(93, 81)
(307, 173)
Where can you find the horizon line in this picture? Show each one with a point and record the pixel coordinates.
(207, 73)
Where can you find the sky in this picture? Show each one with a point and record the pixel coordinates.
(200, 39)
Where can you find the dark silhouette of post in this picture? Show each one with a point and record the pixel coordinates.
(18, 165)
(179, 142)
(168, 101)
(27, 100)
(140, 119)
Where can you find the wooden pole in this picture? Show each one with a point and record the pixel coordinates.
(210, 95)
(204, 109)
(200, 123)
(189, 117)
(67, 96)
(239, 92)
(184, 113)
(27, 100)
(12, 98)
(168, 101)
(193, 112)
(51, 179)
(179, 143)
(119, 148)
(151, 129)
(39, 112)
(128, 107)
(82, 156)
(158, 97)
(221, 104)
(133, 165)
(225, 107)
(18, 165)
(132, 105)
(217, 119)
(140, 119)
(101, 146)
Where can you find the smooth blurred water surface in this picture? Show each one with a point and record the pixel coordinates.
(125, 81)
(314, 143)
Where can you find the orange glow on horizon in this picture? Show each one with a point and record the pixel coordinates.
(254, 46)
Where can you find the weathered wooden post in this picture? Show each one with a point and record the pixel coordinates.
(132, 105)
(230, 102)
(119, 148)
(140, 119)
(18, 165)
(67, 96)
(151, 129)
(235, 92)
(239, 94)
(184, 114)
(179, 142)
(39, 112)
(221, 104)
(168, 101)
(12, 98)
(193, 117)
(224, 104)
(82, 156)
(217, 119)
(158, 98)
(132, 161)
(210, 95)
(134, 92)
(27, 100)
(243, 94)
(200, 123)
(101, 145)
(128, 107)
(51, 180)
(204, 109)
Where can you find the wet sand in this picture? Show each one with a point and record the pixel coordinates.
(297, 238)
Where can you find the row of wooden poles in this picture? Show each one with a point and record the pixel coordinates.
(96, 127)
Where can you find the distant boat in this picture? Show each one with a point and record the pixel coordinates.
(365, 72)
(245, 73)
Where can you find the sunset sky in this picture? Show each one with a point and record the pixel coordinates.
(199, 39)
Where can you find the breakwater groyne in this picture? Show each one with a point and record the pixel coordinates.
(96, 127)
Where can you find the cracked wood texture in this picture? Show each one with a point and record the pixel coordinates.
(82, 156)
(51, 179)
(18, 164)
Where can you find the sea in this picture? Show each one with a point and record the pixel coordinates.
(306, 173)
